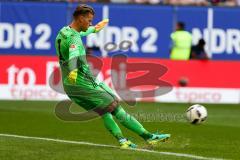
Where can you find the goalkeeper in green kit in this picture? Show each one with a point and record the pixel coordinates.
(83, 89)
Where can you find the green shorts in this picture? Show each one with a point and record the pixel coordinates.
(90, 94)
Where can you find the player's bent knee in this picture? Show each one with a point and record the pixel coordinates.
(110, 108)
(117, 110)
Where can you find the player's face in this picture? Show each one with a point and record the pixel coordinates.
(85, 21)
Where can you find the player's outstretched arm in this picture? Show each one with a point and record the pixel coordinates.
(95, 29)
(90, 30)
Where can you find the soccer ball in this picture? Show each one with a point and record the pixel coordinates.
(196, 114)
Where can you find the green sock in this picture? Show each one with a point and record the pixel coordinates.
(131, 123)
(112, 126)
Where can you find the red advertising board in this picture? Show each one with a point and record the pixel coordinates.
(34, 71)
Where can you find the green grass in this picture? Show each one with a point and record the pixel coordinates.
(219, 137)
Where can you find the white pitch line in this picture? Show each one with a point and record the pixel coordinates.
(110, 146)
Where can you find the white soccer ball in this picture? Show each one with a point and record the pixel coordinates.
(196, 114)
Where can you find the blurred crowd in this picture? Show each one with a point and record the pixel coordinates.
(229, 3)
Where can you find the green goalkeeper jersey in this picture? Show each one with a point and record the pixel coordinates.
(78, 81)
(71, 53)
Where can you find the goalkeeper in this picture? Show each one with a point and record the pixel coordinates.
(82, 88)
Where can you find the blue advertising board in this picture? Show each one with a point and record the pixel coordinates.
(226, 33)
(31, 28)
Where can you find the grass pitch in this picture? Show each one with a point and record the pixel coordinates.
(219, 137)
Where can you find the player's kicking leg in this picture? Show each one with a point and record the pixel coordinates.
(114, 129)
(126, 120)
(131, 123)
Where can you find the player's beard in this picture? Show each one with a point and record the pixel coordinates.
(82, 29)
(85, 28)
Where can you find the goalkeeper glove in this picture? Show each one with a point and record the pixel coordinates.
(101, 25)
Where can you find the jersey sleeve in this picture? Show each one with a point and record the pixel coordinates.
(73, 50)
(73, 53)
(75, 46)
(77, 55)
(89, 31)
